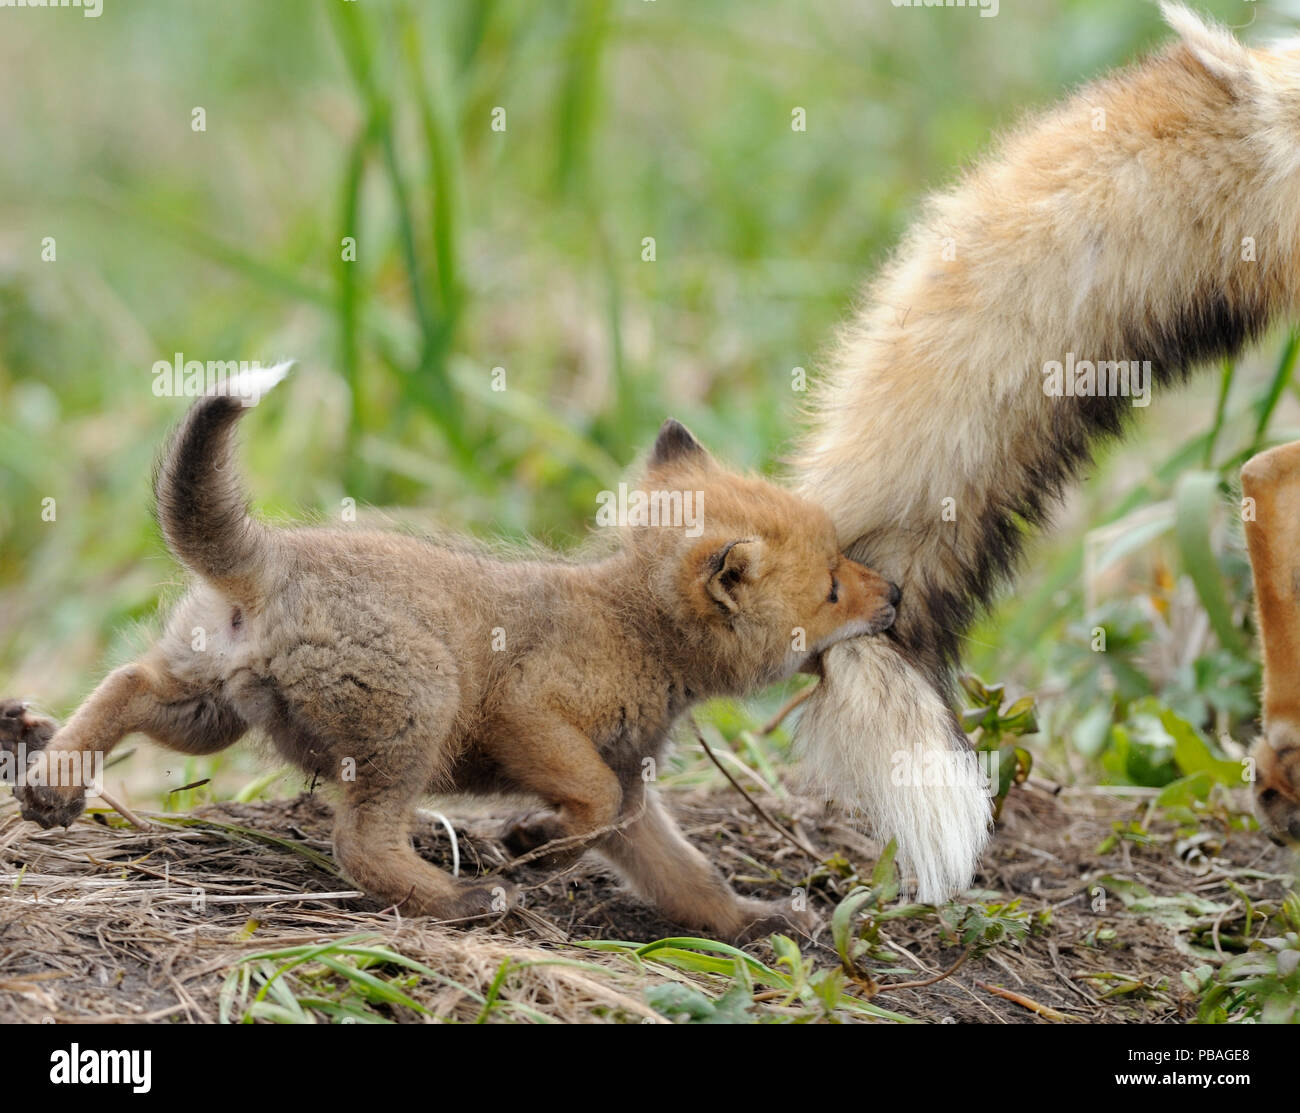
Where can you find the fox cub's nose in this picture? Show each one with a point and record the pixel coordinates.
(895, 594)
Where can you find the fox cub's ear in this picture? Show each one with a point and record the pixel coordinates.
(675, 444)
(727, 568)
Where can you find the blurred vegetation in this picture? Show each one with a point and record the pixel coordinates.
(522, 253)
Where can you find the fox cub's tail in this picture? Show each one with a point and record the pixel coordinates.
(201, 507)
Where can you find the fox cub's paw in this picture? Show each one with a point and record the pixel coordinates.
(43, 803)
(20, 726)
(50, 806)
(762, 918)
(526, 833)
(490, 896)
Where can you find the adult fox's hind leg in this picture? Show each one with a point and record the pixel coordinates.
(1272, 481)
(145, 697)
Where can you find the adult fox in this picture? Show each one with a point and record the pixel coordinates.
(1150, 221)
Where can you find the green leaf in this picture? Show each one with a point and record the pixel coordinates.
(842, 934)
(1195, 755)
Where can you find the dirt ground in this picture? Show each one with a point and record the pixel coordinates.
(106, 922)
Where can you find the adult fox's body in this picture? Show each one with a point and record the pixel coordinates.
(1153, 217)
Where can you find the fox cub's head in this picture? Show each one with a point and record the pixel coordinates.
(749, 573)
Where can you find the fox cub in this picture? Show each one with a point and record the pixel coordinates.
(396, 667)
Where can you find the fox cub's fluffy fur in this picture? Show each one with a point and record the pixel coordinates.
(397, 667)
(1154, 216)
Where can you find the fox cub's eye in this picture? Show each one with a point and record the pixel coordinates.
(834, 596)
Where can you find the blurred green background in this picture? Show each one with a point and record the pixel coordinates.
(524, 249)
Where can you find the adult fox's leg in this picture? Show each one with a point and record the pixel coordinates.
(1271, 481)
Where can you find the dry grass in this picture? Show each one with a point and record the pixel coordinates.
(107, 923)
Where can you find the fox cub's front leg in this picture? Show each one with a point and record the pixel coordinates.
(546, 756)
(654, 856)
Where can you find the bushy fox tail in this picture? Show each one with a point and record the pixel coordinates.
(880, 738)
(200, 505)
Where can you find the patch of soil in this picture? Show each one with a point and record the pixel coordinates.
(106, 922)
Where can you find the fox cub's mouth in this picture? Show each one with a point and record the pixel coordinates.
(881, 621)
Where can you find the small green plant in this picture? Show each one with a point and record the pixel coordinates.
(1262, 983)
(795, 988)
(855, 943)
(354, 980)
(985, 926)
(997, 730)
(685, 1004)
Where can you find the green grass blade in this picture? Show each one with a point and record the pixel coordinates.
(1195, 499)
(1226, 377)
(1276, 387)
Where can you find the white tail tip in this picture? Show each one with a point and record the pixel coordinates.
(249, 385)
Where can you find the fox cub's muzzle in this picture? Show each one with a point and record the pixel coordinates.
(868, 595)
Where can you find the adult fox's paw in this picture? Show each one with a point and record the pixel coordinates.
(1277, 783)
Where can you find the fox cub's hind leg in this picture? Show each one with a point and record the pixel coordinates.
(653, 855)
(144, 697)
(21, 726)
(1272, 481)
(372, 838)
